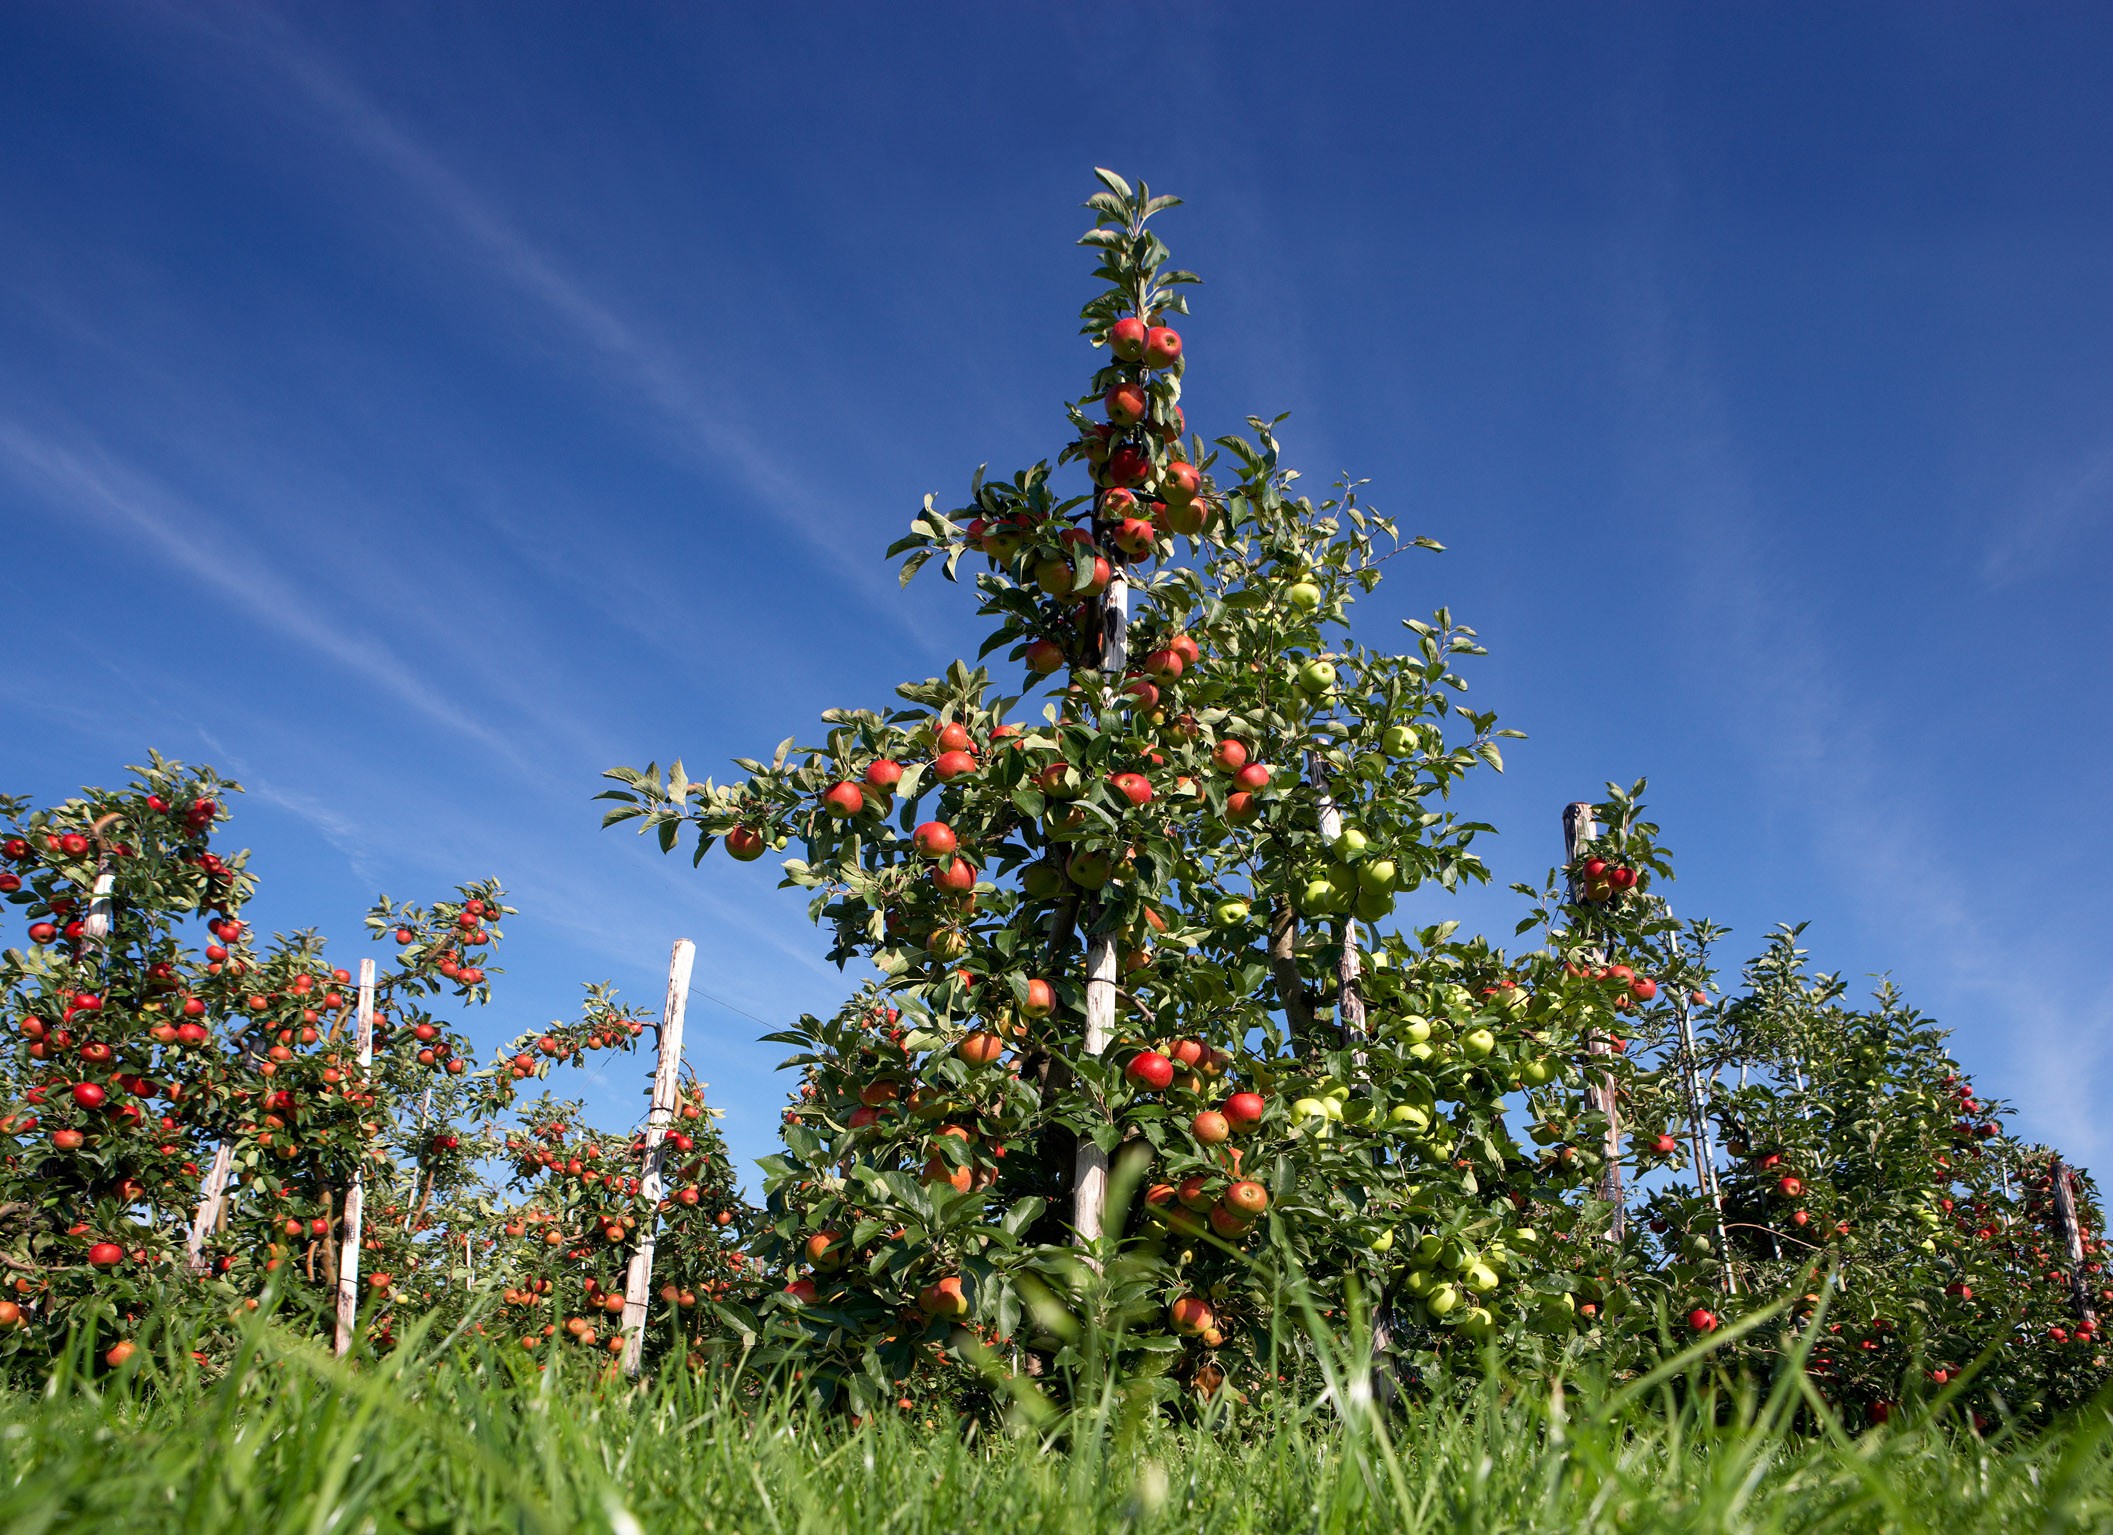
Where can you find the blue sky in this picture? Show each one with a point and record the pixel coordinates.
(415, 410)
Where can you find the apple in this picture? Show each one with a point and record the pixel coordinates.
(1702, 1319)
(944, 1299)
(1055, 577)
(1253, 777)
(1126, 467)
(1041, 1000)
(1595, 868)
(89, 1095)
(1664, 1145)
(1089, 868)
(825, 1250)
(1134, 787)
(1043, 656)
(1041, 881)
(1230, 756)
(1150, 1070)
(743, 842)
(951, 766)
(1145, 695)
(1316, 677)
(883, 775)
(1243, 1111)
(1180, 483)
(934, 839)
(1126, 403)
(1162, 347)
(1643, 988)
(956, 876)
(1164, 664)
(1399, 740)
(1790, 1187)
(980, 1049)
(1126, 338)
(1190, 1315)
(1241, 807)
(844, 800)
(1188, 518)
(1230, 913)
(1247, 1197)
(1211, 1127)
(105, 1255)
(1378, 877)
(1303, 595)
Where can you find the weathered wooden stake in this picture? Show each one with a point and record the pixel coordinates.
(1090, 1181)
(348, 1270)
(212, 1197)
(1579, 827)
(667, 1082)
(2073, 1241)
(1349, 995)
(1700, 1144)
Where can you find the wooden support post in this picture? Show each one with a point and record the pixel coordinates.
(667, 1081)
(348, 1269)
(1349, 995)
(1090, 1179)
(212, 1198)
(1580, 826)
(1700, 1144)
(2072, 1242)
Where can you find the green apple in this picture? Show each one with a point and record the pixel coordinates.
(1384, 1242)
(1318, 898)
(1230, 913)
(1308, 1108)
(1478, 1044)
(1350, 844)
(1303, 595)
(1442, 1300)
(1374, 905)
(1481, 1278)
(1370, 766)
(1042, 880)
(1400, 740)
(1417, 1282)
(1417, 1119)
(1378, 876)
(1415, 1029)
(1538, 1072)
(1421, 1052)
(1316, 677)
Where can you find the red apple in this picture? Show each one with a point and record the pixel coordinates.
(1134, 787)
(949, 766)
(1126, 403)
(1210, 1127)
(934, 839)
(1150, 1070)
(1041, 1000)
(1126, 338)
(1044, 656)
(1244, 1110)
(954, 875)
(844, 800)
(1180, 483)
(1230, 756)
(1162, 347)
(744, 843)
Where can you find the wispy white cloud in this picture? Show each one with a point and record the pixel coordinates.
(1883, 837)
(697, 411)
(2049, 518)
(79, 478)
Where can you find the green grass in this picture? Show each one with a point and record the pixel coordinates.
(449, 1438)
